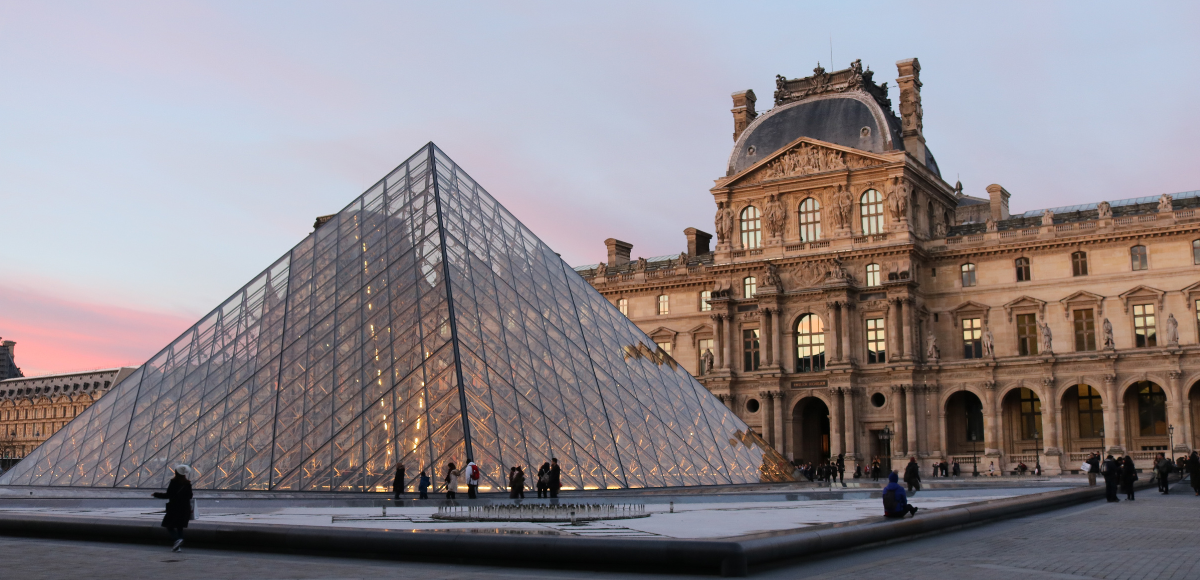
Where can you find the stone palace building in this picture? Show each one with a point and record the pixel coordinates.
(855, 302)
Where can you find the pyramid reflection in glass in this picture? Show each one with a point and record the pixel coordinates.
(422, 324)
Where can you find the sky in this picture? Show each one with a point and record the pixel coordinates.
(156, 156)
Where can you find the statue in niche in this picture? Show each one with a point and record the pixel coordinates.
(773, 278)
(724, 223)
(931, 348)
(1047, 217)
(1172, 331)
(1165, 203)
(1046, 337)
(640, 266)
(708, 360)
(1109, 344)
(989, 344)
(1104, 210)
(842, 207)
(897, 201)
(774, 216)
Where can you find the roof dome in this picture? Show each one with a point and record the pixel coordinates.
(843, 107)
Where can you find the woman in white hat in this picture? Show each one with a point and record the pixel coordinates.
(179, 504)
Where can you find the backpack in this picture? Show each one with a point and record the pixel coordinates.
(474, 472)
(889, 502)
(544, 478)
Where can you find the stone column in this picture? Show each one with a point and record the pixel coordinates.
(835, 422)
(991, 418)
(1177, 404)
(1049, 418)
(768, 414)
(833, 334)
(730, 341)
(1121, 439)
(942, 443)
(851, 426)
(898, 419)
(718, 342)
(1112, 433)
(910, 408)
(780, 436)
(906, 316)
(776, 337)
(847, 355)
(767, 333)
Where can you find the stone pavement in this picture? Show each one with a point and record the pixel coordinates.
(1154, 537)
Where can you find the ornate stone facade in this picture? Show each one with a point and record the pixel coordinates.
(884, 301)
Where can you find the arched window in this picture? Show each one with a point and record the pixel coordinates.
(1152, 409)
(749, 287)
(1079, 263)
(872, 274)
(1022, 269)
(810, 344)
(623, 306)
(1139, 258)
(968, 275)
(751, 228)
(810, 221)
(871, 210)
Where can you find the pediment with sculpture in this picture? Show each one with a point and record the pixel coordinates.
(806, 157)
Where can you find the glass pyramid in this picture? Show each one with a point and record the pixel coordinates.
(423, 323)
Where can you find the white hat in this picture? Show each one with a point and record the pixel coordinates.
(185, 470)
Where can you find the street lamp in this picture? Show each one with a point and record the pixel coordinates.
(1037, 453)
(885, 438)
(974, 452)
(1171, 433)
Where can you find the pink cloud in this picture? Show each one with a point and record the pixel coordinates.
(62, 335)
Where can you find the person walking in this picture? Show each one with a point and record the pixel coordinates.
(473, 475)
(398, 483)
(543, 480)
(1093, 463)
(841, 467)
(1193, 468)
(1128, 476)
(895, 501)
(956, 470)
(1112, 475)
(423, 485)
(991, 469)
(452, 474)
(179, 504)
(555, 477)
(1163, 468)
(912, 475)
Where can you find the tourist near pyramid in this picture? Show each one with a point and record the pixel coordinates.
(421, 324)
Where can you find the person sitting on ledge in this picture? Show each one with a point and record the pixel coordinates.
(895, 500)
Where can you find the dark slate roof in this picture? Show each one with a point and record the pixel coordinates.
(1082, 213)
(655, 263)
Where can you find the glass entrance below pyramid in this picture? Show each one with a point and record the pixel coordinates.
(421, 325)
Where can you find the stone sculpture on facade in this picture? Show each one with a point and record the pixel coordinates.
(682, 260)
(1104, 210)
(724, 223)
(939, 230)
(601, 269)
(989, 343)
(932, 353)
(1172, 331)
(1047, 217)
(991, 225)
(773, 278)
(841, 209)
(898, 198)
(1165, 203)
(708, 360)
(640, 266)
(1109, 344)
(1045, 338)
(774, 217)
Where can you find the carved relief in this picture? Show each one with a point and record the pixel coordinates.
(805, 160)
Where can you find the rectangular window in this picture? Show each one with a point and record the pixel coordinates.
(705, 296)
(872, 274)
(1023, 270)
(1139, 257)
(749, 286)
(968, 275)
(750, 350)
(623, 306)
(665, 346)
(702, 346)
(1079, 264)
(664, 305)
(972, 331)
(1085, 330)
(1031, 415)
(1144, 328)
(1027, 331)
(1091, 414)
(876, 341)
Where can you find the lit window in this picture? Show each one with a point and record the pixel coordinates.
(972, 331)
(810, 344)
(810, 220)
(1091, 412)
(749, 286)
(623, 306)
(1085, 330)
(705, 296)
(751, 228)
(664, 304)
(1079, 263)
(968, 275)
(705, 345)
(1027, 334)
(1139, 258)
(1022, 269)
(665, 346)
(871, 207)
(1031, 415)
(1196, 251)
(876, 339)
(1143, 325)
(1152, 409)
(750, 350)
(872, 274)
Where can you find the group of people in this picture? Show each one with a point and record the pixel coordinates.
(946, 469)
(549, 480)
(825, 472)
(1120, 472)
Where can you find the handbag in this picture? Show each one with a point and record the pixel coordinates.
(1086, 467)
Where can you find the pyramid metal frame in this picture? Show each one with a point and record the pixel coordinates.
(423, 323)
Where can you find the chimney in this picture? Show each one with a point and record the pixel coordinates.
(743, 112)
(910, 108)
(999, 197)
(618, 251)
(697, 241)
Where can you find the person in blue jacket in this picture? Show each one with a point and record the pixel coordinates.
(895, 500)
(424, 484)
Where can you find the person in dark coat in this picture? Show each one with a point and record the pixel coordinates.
(555, 477)
(895, 501)
(543, 480)
(1162, 469)
(423, 485)
(1093, 462)
(521, 476)
(1128, 476)
(398, 483)
(1112, 476)
(875, 469)
(1193, 468)
(179, 504)
(841, 466)
(956, 470)
(912, 475)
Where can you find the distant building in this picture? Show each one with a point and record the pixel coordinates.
(33, 408)
(8, 364)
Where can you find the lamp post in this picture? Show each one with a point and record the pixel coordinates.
(1037, 453)
(1171, 433)
(974, 453)
(885, 438)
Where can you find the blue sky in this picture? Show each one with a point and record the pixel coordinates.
(155, 156)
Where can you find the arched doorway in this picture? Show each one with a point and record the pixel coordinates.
(810, 429)
(1082, 431)
(964, 426)
(1145, 417)
(1022, 434)
(1193, 417)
